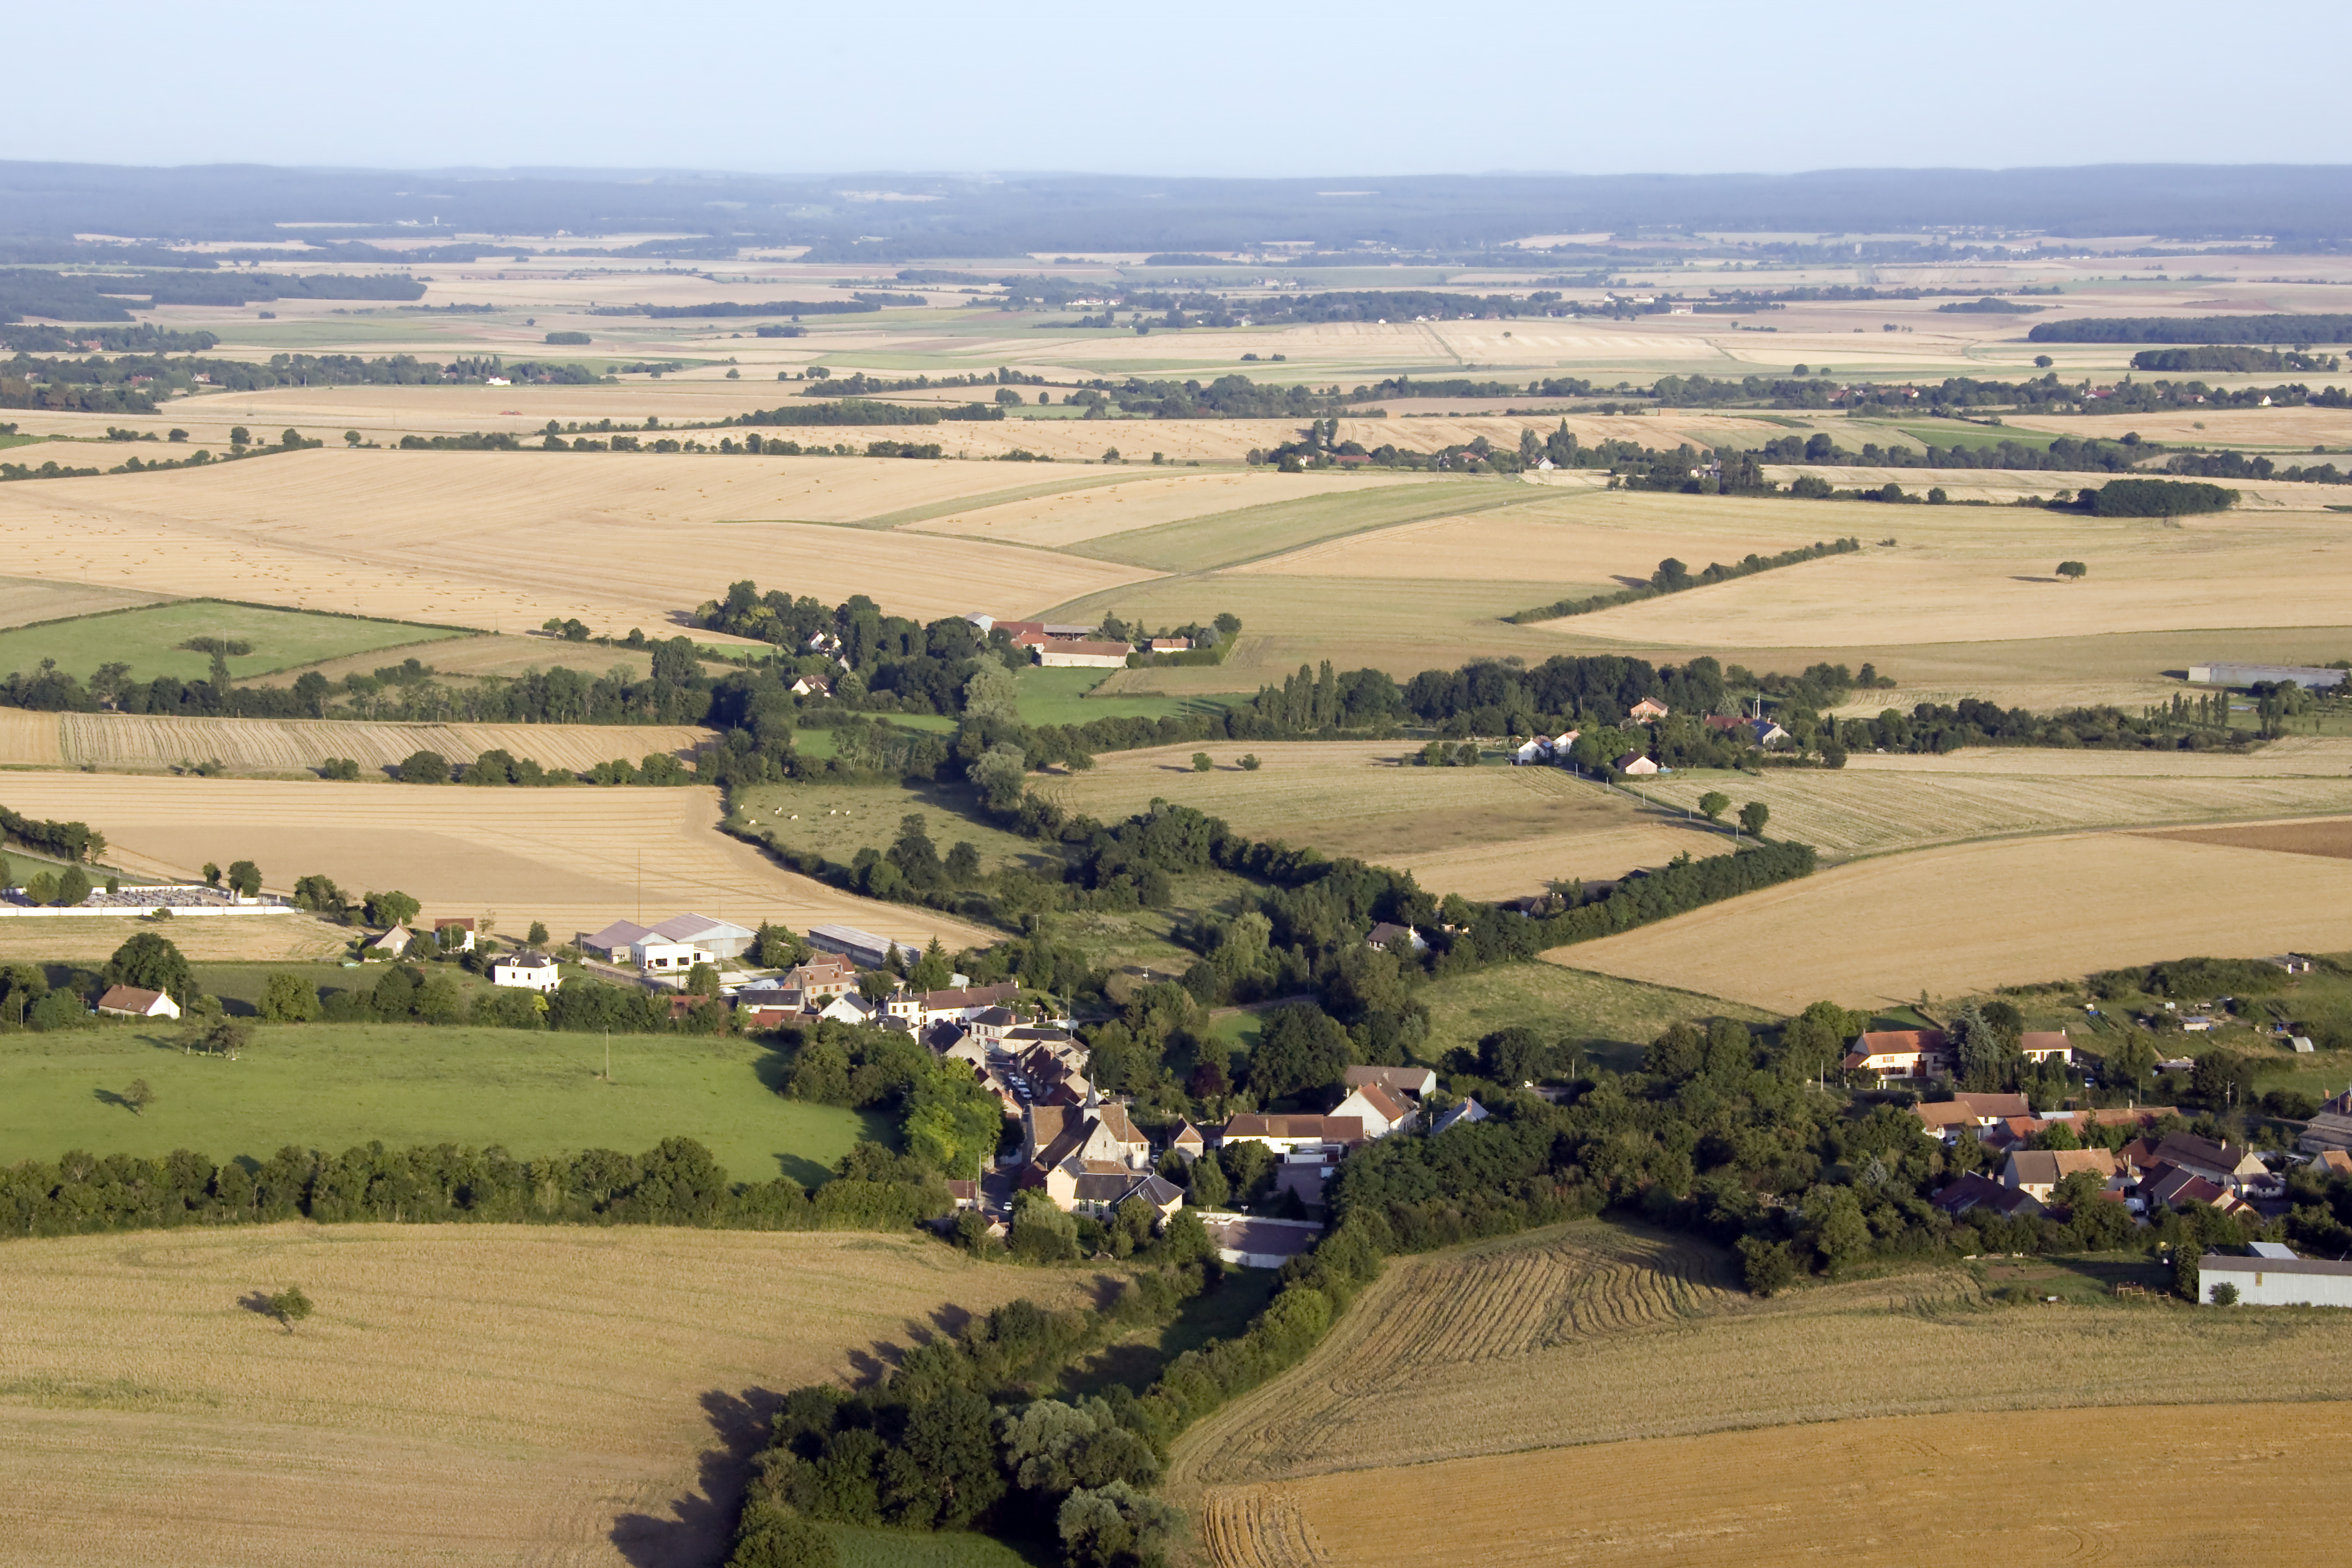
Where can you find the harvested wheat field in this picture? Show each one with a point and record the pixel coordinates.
(1065, 515)
(462, 1394)
(300, 745)
(1966, 918)
(211, 938)
(1876, 810)
(1985, 574)
(578, 858)
(26, 600)
(2332, 840)
(1482, 1393)
(1597, 1332)
(1905, 1490)
(1482, 832)
(617, 539)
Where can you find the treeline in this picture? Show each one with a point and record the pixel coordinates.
(71, 842)
(100, 296)
(1671, 577)
(2236, 359)
(2155, 497)
(857, 383)
(2271, 329)
(33, 338)
(677, 1183)
(860, 411)
(1405, 386)
(2238, 465)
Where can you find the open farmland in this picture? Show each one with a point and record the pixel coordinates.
(1273, 526)
(577, 859)
(226, 939)
(28, 599)
(339, 1086)
(617, 539)
(1966, 918)
(1890, 804)
(1064, 514)
(1545, 1353)
(1899, 1489)
(1486, 832)
(125, 740)
(464, 1394)
(148, 639)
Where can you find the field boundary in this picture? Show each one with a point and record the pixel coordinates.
(1101, 548)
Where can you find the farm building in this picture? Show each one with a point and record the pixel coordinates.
(2310, 678)
(717, 939)
(2275, 1277)
(1415, 1082)
(130, 1002)
(1079, 653)
(1253, 1243)
(656, 956)
(1633, 764)
(525, 971)
(391, 944)
(859, 947)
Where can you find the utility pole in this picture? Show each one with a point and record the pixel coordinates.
(608, 1053)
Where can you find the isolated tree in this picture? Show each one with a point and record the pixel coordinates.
(1753, 816)
(1200, 763)
(389, 909)
(992, 692)
(352, 438)
(2072, 568)
(1250, 764)
(537, 936)
(1713, 805)
(287, 999)
(244, 879)
(152, 962)
(73, 887)
(212, 874)
(702, 981)
(320, 894)
(776, 947)
(424, 768)
(138, 1096)
(288, 1306)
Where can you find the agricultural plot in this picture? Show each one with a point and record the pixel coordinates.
(27, 599)
(1966, 918)
(1607, 1019)
(1889, 807)
(1970, 575)
(227, 938)
(1274, 527)
(838, 820)
(1584, 1349)
(617, 539)
(1841, 1489)
(335, 1086)
(1483, 832)
(463, 1394)
(577, 859)
(148, 639)
(124, 741)
(1066, 516)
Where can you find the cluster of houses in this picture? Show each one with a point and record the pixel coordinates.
(1902, 1056)
(1555, 751)
(1073, 648)
(2148, 1173)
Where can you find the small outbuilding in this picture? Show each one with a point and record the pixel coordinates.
(132, 1002)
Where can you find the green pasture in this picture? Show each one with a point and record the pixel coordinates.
(148, 639)
(335, 1086)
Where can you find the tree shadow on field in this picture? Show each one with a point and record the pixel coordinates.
(701, 1525)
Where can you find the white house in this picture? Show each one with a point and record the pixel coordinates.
(1530, 753)
(664, 959)
(525, 971)
(1289, 1135)
(132, 1002)
(1381, 1111)
(849, 1008)
(2044, 1045)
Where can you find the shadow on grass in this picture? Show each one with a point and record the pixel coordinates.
(108, 1097)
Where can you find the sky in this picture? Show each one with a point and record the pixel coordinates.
(1207, 87)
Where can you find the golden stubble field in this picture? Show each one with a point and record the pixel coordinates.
(1591, 1393)
(464, 1394)
(1485, 832)
(214, 938)
(1966, 918)
(503, 541)
(127, 741)
(578, 858)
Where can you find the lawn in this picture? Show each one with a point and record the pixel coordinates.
(148, 639)
(1610, 1020)
(335, 1086)
(1060, 696)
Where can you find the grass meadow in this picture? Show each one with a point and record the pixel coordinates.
(148, 639)
(333, 1087)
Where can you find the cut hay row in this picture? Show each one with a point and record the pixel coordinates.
(577, 859)
(1258, 1527)
(463, 1394)
(302, 745)
(1845, 1491)
(1966, 918)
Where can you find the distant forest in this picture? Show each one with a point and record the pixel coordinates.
(2337, 329)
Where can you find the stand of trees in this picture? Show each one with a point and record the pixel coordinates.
(1671, 577)
(2274, 328)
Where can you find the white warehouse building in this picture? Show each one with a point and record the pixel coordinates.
(2275, 1277)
